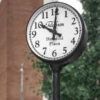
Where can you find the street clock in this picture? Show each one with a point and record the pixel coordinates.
(56, 33)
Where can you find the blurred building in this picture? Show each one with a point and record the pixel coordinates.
(14, 16)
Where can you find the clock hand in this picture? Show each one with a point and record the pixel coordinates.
(55, 21)
(55, 24)
(50, 30)
(56, 33)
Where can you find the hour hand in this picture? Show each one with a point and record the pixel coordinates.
(50, 30)
(56, 33)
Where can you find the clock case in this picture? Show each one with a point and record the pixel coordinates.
(76, 53)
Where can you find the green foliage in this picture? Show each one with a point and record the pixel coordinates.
(80, 80)
(92, 18)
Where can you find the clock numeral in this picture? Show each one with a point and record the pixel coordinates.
(73, 23)
(52, 12)
(54, 53)
(33, 34)
(37, 44)
(73, 41)
(38, 25)
(44, 15)
(66, 14)
(45, 49)
(65, 50)
(76, 30)
(35, 25)
(57, 11)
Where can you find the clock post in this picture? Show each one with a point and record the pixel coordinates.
(56, 69)
(55, 81)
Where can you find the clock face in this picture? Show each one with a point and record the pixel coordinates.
(54, 31)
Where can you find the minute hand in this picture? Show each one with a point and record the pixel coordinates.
(55, 21)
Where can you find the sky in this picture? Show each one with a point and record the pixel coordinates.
(0, 1)
(74, 3)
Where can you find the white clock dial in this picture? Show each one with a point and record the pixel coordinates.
(54, 31)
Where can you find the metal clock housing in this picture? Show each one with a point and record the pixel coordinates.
(56, 33)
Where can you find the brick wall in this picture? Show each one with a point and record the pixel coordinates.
(14, 15)
(3, 51)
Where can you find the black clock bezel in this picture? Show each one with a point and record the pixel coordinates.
(78, 50)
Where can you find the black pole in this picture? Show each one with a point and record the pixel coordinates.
(56, 86)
